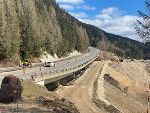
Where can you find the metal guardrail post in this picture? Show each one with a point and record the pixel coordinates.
(76, 67)
(23, 69)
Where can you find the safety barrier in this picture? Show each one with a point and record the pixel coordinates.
(63, 72)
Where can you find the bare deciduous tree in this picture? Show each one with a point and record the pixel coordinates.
(143, 24)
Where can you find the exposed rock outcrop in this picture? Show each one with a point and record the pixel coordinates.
(11, 89)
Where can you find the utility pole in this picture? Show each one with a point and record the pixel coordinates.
(17, 96)
(148, 105)
(148, 100)
(17, 100)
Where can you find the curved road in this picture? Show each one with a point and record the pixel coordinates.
(35, 71)
(81, 92)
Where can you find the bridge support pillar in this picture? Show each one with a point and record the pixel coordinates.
(52, 86)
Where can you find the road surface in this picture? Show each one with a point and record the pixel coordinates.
(36, 71)
(81, 92)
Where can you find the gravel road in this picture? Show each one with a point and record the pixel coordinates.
(80, 93)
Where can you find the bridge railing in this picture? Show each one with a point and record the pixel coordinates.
(63, 71)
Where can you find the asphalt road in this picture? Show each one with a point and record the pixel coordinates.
(59, 66)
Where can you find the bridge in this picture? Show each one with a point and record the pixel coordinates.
(63, 71)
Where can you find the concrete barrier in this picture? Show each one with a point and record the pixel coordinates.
(52, 77)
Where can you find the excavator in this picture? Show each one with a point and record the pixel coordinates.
(26, 62)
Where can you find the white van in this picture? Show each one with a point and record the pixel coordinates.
(49, 64)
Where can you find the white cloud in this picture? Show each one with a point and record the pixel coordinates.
(72, 7)
(67, 6)
(112, 20)
(71, 1)
(80, 15)
(75, 4)
(86, 7)
(110, 11)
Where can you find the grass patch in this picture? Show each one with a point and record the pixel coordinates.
(43, 100)
(30, 89)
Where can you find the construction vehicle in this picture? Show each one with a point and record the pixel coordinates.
(26, 63)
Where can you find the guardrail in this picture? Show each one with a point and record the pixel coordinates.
(9, 69)
(64, 72)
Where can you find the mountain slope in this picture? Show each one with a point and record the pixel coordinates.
(122, 46)
(28, 28)
(125, 47)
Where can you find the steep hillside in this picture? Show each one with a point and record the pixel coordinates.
(27, 28)
(122, 46)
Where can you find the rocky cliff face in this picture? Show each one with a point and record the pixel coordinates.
(29, 27)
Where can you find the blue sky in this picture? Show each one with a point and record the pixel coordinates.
(114, 16)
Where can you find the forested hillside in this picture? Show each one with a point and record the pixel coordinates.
(122, 46)
(125, 47)
(30, 27)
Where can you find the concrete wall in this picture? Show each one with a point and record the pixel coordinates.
(64, 81)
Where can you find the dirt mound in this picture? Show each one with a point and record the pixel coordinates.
(124, 87)
(11, 89)
(58, 106)
(148, 68)
(108, 56)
